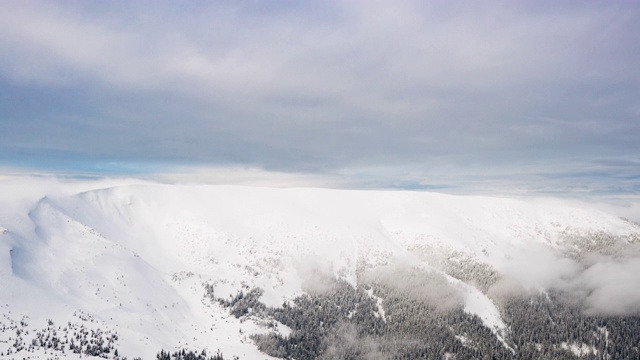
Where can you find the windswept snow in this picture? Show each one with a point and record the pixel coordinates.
(475, 302)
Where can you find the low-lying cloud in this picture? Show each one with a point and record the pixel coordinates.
(612, 286)
(603, 284)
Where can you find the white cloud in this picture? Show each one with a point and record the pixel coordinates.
(613, 286)
(326, 88)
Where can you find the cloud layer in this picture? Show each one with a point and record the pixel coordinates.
(398, 93)
(602, 284)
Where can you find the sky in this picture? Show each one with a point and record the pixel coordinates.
(502, 96)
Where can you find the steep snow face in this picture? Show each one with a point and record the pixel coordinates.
(136, 256)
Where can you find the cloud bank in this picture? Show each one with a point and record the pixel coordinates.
(538, 96)
(601, 284)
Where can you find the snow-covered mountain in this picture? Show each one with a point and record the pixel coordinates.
(130, 264)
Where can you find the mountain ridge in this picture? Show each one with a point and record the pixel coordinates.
(118, 253)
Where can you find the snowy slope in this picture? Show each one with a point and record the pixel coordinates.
(134, 257)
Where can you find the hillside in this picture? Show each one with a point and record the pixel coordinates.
(140, 268)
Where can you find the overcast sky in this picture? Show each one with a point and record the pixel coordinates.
(538, 96)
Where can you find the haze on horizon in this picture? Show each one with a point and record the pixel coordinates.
(524, 97)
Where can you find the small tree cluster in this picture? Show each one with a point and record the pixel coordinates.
(189, 355)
